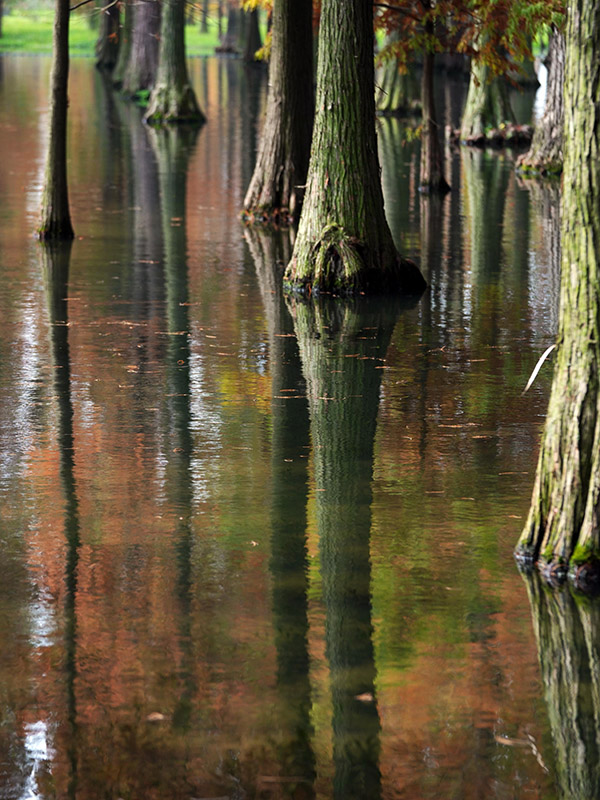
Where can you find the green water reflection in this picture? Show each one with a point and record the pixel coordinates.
(254, 547)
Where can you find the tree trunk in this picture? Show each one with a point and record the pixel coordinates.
(107, 46)
(277, 186)
(204, 17)
(56, 219)
(124, 44)
(229, 43)
(344, 244)
(142, 64)
(253, 41)
(432, 167)
(563, 526)
(545, 156)
(487, 106)
(173, 99)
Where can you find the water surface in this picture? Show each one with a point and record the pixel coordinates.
(256, 547)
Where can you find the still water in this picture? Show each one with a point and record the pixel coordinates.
(258, 548)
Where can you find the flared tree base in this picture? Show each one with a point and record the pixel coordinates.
(170, 105)
(342, 265)
(55, 231)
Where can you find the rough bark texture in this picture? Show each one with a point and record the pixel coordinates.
(142, 64)
(567, 633)
(432, 177)
(173, 99)
(55, 220)
(277, 186)
(562, 529)
(545, 156)
(487, 105)
(344, 244)
(107, 46)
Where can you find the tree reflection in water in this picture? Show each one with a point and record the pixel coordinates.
(567, 629)
(343, 346)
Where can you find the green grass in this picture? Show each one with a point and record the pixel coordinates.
(33, 34)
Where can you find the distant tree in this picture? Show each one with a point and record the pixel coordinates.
(55, 220)
(344, 243)
(107, 46)
(545, 156)
(563, 527)
(252, 38)
(173, 100)
(277, 186)
(142, 64)
(125, 37)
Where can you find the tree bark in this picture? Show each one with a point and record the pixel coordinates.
(487, 105)
(432, 177)
(56, 218)
(277, 187)
(173, 100)
(344, 244)
(563, 526)
(142, 64)
(545, 156)
(107, 46)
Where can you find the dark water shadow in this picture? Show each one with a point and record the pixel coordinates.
(567, 630)
(291, 745)
(55, 260)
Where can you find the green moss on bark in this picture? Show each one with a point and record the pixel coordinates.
(344, 244)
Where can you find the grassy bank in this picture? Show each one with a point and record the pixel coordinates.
(33, 34)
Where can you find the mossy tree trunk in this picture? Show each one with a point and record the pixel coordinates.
(142, 65)
(563, 527)
(173, 100)
(107, 46)
(344, 244)
(277, 187)
(55, 220)
(487, 105)
(432, 177)
(545, 156)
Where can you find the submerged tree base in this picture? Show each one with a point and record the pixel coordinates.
(170, 105)
(505, 135)
(341, 264)
(582, 570)
(56, 231)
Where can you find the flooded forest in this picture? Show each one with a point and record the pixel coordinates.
(256, 543)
